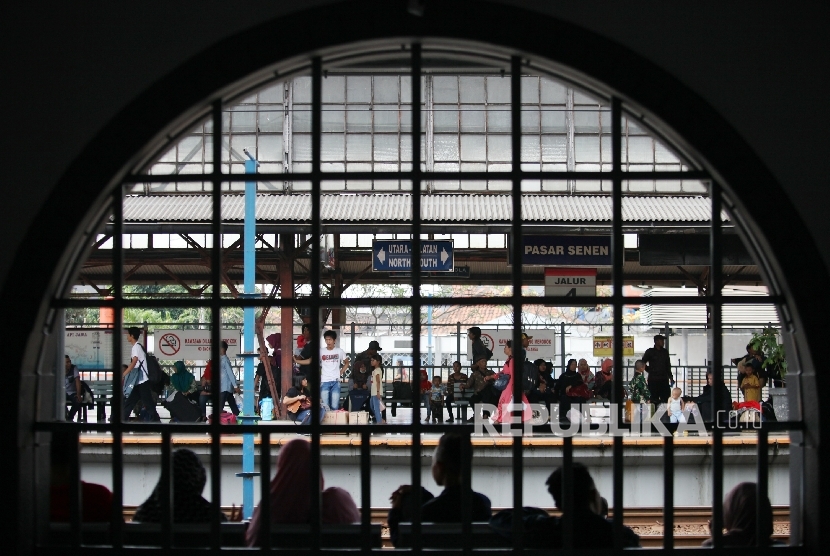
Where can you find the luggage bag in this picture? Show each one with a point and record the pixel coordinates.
(182, 409)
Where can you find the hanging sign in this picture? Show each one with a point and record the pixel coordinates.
(563, 251)
(172, 345)
(542, 344)
(604, 346)
(570, 282)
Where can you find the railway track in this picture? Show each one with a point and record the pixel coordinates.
(691, 524)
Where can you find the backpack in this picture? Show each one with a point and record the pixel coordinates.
(155, 375)
(530, 376)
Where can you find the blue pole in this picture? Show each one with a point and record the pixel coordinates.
(248, 333)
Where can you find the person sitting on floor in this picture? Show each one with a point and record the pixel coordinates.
(297, 402)
(741, 520)
(447, 471)
(189, 479)
(291, 493)
(590, 529)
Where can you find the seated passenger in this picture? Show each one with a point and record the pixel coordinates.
(447, 471)
(603, 380)
(740, 519)
(96, 500)
(290, 497)
(590, 528)
(184, 381)
(297, 402)
(706, 400)
(189, 479)
(543, 393)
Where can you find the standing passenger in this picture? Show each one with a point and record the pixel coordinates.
(376, 391)
(455, 383)
(229, 386)
(479, 349)
(333, 363)
(658, 367)
(138, 360)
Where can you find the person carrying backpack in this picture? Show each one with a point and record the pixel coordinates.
(141, 390)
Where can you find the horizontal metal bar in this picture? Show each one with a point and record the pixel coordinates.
(404, 302)
(150, 428)
(434, 176)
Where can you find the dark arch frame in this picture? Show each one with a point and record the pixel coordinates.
(627, 74)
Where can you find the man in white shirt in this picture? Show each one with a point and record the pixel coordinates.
(138, 361)
(333, 363)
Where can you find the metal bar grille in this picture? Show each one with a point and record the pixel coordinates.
(316, 301)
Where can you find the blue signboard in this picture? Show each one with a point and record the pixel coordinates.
(396, 255)
(564, 251)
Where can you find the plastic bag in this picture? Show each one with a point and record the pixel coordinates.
(238, 399)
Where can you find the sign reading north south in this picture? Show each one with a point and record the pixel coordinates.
(396, 255)
(570, 282)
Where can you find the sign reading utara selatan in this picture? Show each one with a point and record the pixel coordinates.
(396, 255)
(564, 251)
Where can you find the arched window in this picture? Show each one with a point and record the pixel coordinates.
(516, 153)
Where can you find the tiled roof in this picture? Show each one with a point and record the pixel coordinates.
(435, 208)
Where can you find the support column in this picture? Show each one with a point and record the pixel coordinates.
(286, 315)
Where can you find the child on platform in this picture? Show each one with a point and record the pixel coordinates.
(675, 407)
(436, 399)
(751, 384)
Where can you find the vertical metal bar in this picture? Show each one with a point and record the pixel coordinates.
(516, 271)
(365, 491)
(415, 310)
(265, 489)
(618, 256)
(116, 416)
(763, 478)
(668, 493)
(562, 344)
(715, 299)
(466, 494)
(75, 502)
(316, 325)
(166, 493)
(568, 494)
(216, 329)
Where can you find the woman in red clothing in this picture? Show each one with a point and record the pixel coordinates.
(425, 387)
(502, 414)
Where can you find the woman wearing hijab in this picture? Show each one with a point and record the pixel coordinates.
(189, 480)
(503, 413)
(603, 380)
(586, 374)
(741, 520)
(290, 497)
(568, 381)
(184, 381)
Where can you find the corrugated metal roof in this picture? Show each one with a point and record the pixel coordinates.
(434, 208)
(696, 314)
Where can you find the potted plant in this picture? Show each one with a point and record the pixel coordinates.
(775, 363)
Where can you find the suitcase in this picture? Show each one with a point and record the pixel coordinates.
(357, 399)
(183, 410)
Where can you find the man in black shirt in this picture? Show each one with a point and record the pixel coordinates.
(306, 352)
(658, 367)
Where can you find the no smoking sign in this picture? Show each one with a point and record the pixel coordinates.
(169, 344)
